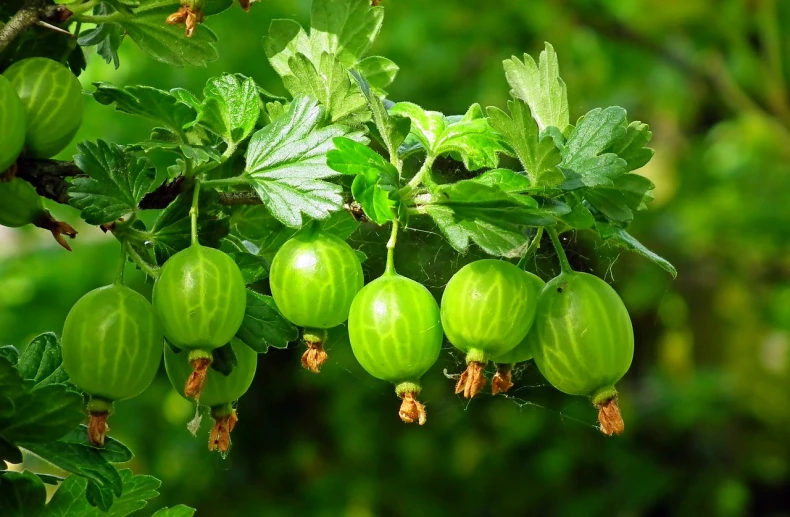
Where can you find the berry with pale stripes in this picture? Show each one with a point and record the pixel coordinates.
(220, 391)
(502, 380)
(52, 97)
(396, 335)
(201, 298)
(314, 278)
(12, 124)
(487, 309)
(585, 341)
(112, 347)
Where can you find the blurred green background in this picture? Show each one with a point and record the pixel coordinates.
(707, 400)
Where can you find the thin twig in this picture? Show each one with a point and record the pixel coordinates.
(33, 12)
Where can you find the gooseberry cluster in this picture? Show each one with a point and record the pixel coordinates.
(40, 112)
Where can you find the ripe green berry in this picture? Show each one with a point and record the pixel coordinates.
(53, 102)
(488, 307)
(12, 124)
(220, 391)
(19, 203)
(201, 298)
(314, 278)
(585, 341)
(396, 334)
(502, 380)
(112, 346)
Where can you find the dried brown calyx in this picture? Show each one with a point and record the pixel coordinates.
(200, 361)
(412, 410)
(472, 380)
(99, 410)
(503, 379)
(188, 16)
(57, 228)
(315, 355)
(224, 422)
(245, 4)
(97, 427)
(610, 418)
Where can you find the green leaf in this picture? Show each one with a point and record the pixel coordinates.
(540, 86)
(172, 231)
(492, 239)
(637, 190)
(377, 70)
(584, 157)
(375, 178)
(539, 156)
(112, 451)
(168, 43)
(331, 84)
(507, 180)
(609, 202)
(620, 238)
(631, 145)
(223, 359)
(286, 39)
(106, 36)
(104, 481)
(579, 217)
(345, 28)
(263, 325)
(253, 267)
(340, 224)
(117, 181)
(286, 164)
(230, 108)
(176, 511)
(30, 413)
(257, 226)
(22, 494)
(392, 129)
(495, 220)
(9, 353)
(160, 106)
(40, 362)
(470, 137)
(70, 500)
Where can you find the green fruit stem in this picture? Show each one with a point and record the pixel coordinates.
(565, 266)
(402, 388)
(121, 266)
(476, 356)
(193, 212)
(391, 247)
(603, 395)
(99, 405)
(314, 336)
(221, 411)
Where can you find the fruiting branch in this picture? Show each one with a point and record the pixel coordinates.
(33, 12)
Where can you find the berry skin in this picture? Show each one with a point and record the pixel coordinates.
(487, 309)
(53, 102)
(396, 335)
(112, 347)
(200, 297)
(220, 391)
(19, 203)
(585, 341)
(12, 124)
(314, 278)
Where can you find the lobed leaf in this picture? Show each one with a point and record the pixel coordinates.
(117, 181)
(286, 164)
(230, 108)
(620, 238)
(263, 325)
